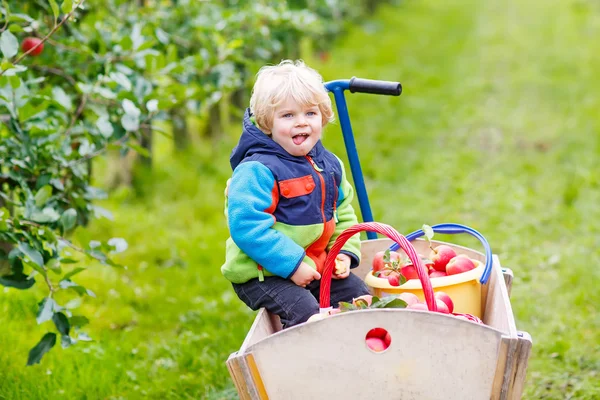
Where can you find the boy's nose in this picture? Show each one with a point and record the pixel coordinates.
(301, 121)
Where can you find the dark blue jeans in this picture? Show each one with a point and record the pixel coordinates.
(295, 304)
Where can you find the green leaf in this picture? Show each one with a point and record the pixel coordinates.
(72, 273)
(55, 9)
(67, 6)
(62, 98)
(79, 321)
(396, 303)
(152, 105)
(9, 45)
(428, 231)
(386, 301)
(68, 219)
(45, 310)
(119, 244)
(42, 195)
(62, 323)
(344, 306)
(47, 215)
(130, 108)
(20, 281)
(32, 254)
(130, 123)
(139, 149)
(105, 127)
(35, 355)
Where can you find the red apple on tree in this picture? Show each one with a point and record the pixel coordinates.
(441, 255)
(459, 264)
(31, 42)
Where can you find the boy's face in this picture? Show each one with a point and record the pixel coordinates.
(296, 128)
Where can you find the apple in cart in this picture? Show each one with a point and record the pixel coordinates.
(394, 278)
(410, 272)
(446, 299)
(437, 274)
(378, 262)
(418, 306)
(441, 256)
(367, 299)
(441, 307)
(376, 344)
(459, 264)
(409, 298)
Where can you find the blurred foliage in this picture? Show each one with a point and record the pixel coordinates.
(80, 77)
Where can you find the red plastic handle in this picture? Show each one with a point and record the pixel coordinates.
(325, 296)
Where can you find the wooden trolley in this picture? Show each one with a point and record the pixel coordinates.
(431, 355)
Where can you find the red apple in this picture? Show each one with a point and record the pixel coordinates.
(459, 264)
(394, 279)
(409, 298)
(387, 340)
(29, 43)
(409, 272)
(418, 306)
(437, 274)
(441, 307)
(446, 299)
(376, 344)
(441, 255)
(378, 264)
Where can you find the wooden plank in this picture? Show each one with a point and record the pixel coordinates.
(237, 376)
(508, 279)
(263, 326)
(504, 368)
(258, 382)
(521, 360)
(325, 354)
(498, 310)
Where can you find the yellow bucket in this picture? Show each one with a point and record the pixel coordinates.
(464, 289)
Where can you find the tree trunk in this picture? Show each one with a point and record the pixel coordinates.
(214, 126)
(180, 128)
(146, 143)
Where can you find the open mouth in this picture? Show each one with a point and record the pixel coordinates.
(299, 139)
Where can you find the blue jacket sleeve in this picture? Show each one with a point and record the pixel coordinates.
(251, 194)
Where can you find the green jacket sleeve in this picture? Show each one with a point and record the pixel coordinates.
(346, 217)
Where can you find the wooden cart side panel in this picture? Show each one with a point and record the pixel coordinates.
(262, 327)
(521, 361)
(237, 376)
(508, 279)
(324, 353)
(498, 310)
(504, 369)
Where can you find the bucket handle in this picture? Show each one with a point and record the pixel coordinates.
(391, 233)
(450, 228)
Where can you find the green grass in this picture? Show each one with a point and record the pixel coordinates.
(497, 129)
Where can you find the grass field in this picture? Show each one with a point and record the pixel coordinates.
(497, 128)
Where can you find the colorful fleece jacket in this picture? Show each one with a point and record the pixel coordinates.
(284, 209)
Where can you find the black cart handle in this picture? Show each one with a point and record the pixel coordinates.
(358, 85)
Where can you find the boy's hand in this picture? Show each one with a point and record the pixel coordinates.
(342, 267)
(304, 275)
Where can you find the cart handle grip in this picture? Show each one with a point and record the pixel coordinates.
(390, 233)
(359, 85)
(449, 228)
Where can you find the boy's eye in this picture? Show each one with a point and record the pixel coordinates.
(311, 113)
(287, 115)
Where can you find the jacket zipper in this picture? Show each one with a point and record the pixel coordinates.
(323, 189)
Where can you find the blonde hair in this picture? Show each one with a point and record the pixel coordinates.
(274, 84)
